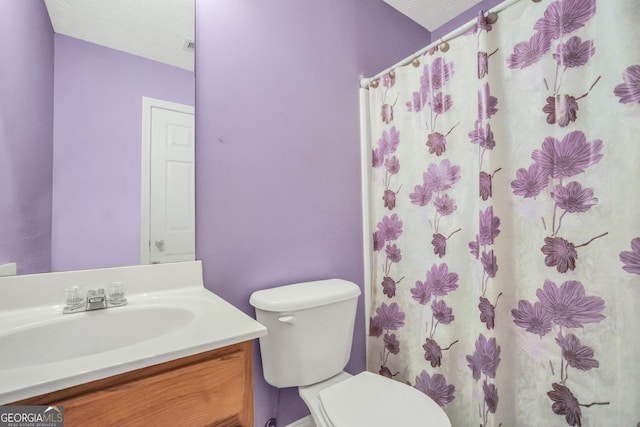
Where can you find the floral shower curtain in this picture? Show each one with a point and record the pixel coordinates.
(506, 215)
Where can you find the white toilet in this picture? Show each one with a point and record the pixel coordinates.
(310, 329)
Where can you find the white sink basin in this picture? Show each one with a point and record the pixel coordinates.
(83, 334)
(43, 350)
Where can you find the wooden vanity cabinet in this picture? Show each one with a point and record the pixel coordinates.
(214, 388)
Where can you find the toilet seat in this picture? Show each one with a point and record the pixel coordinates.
(371, 400)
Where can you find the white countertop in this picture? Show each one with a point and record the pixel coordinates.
(209, 322)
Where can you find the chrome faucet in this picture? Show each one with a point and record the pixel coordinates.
(95, 299)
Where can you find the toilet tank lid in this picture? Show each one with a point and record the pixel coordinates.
(300, 296)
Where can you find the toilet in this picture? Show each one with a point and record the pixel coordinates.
(308, 344)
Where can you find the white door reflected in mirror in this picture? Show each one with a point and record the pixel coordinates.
(169, 220)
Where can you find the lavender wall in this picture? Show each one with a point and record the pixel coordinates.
(97, 150)
(26, 130)
(278, 148)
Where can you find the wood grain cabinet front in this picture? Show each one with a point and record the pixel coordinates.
(208, 389)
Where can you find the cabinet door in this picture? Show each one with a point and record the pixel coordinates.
(207, 393)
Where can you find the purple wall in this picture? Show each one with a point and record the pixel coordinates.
(26, 129)
(278, 148)
(97, 150)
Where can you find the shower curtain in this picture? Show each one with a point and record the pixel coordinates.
(505, 174)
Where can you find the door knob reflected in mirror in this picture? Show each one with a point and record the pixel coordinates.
(160, 244)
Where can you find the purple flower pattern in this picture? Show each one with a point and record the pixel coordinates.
(490, 396)
(530, 182)
(485, 188)
(376, 327)
(487, 312)
(577, 356)
(631, 259)
(629, 91)
(532, 317)
(436, 387)
(568, 305)
(391, 317)
(434, 77)
(421, 292)
(441, 177)
(483, 136)
(560, 253)
(441, 313)
(483, 64)
(438, 178)
(480, 25)
(573, 198)
(389, 287)
(389, 199)
(436, 74)
(431, 101)
(432, 352)
(561, 17)
(569, 157)
(564, 17)
(387, 242)
(558, 173)
(486, 357)
(528, 53)
(561, 109)
(487, 104)
(390, 227)
(391, 343)
(489, 226)
(439, 283)
(574, 53)
(439, 243)
(556, 160)
(437, 143)
(565, 307)
(440, 103)
(565, 403)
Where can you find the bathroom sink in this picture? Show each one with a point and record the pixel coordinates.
(87, 333)
(169, 315)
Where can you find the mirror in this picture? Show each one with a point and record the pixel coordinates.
(74, 77)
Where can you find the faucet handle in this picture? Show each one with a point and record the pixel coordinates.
(73, 296)
(74, 301)
(116, 294)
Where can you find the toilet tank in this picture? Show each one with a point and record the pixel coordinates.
(310, 330)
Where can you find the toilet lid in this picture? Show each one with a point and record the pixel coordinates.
(371, 400)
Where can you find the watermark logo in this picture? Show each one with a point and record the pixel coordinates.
(32, 416)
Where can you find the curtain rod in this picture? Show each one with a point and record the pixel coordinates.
(364, 82)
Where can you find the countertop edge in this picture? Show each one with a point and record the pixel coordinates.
(98, 374)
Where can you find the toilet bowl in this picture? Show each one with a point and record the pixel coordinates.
(370, 400)
(308, 344)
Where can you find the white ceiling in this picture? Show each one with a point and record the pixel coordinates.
(153, 29)
(157, 29)
(432, 14)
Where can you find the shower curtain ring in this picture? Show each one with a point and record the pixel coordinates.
(444, 46)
